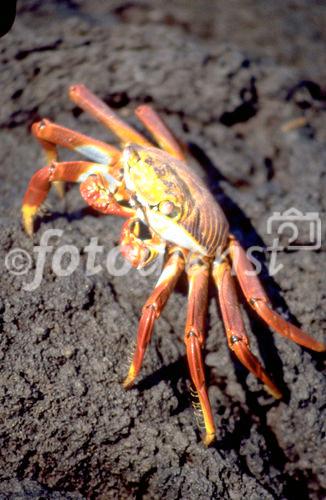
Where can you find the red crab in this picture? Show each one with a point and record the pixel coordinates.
(156, 188)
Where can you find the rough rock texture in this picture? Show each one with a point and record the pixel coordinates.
(68, 429)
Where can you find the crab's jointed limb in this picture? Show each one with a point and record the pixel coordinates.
(259, 301)
(105, 161)
(89, 102)
(198, 269)
(153, 307)
(234, 326)
(71, 171)
(160, 132)
(51, 135)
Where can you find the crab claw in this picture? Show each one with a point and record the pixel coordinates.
(138, 252)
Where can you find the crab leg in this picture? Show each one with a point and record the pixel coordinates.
(259, 301)
(159, 130)
(89, 102)
(153, 308)
(235, 330)
(40, 183)
(51, 155)
(198, 272)
(50, 134)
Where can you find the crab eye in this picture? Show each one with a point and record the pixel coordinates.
(169, 209)
(166, 207)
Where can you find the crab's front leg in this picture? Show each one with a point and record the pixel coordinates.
(51, 135)
(139, 252)
(104, 160)
(94, 185)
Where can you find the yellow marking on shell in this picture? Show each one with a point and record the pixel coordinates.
(29, 212)
(143, 176)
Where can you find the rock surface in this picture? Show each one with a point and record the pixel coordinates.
(68, 429)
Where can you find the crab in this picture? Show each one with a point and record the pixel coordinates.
(153, 187)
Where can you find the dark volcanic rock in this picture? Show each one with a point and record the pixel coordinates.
(68, 429)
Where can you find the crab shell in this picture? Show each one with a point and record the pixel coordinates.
(196, 222)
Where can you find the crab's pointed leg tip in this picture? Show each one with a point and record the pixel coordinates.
(73, 88)
(130, 379)
(128, 383)
(275, 392)
(209, 439)
(28, 216)
(321, 347)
